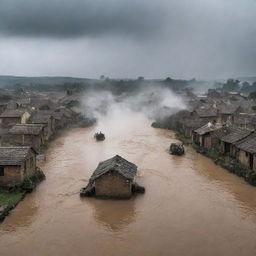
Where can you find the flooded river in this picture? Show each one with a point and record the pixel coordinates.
(191, 206)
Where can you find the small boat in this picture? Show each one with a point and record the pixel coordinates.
(177, 149)
(99, 136)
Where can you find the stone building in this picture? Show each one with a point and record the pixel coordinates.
(11, 117)
(114, 178)
(25, 135)
(16, 164)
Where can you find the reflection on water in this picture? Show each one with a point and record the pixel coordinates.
(191, 206)
(114, 215)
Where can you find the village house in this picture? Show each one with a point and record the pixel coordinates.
(247, 151)
(16, 164)
(3, 107)
(59, 119)
(114, 178)
(228, 142)
(189, 125)
(42, 104)
(208, 135)
(245, 121)
(46, 119)
(11, 117)
(205, 114)
(227, 113)
(25, 135)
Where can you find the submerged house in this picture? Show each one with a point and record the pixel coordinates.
(16, 116)
(16, 164)
(25, 135)
(113, 178)
(229, 141)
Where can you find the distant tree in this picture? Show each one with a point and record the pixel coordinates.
(252, 95)
(246, 87)
(168, 79)
(140, 78)
(231, 85)
(102, 77)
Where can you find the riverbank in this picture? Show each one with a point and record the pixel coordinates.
(226, 162)
(11, 196)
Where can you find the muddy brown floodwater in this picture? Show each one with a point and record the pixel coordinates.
(191, 206)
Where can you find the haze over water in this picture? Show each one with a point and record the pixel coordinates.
(191, 206)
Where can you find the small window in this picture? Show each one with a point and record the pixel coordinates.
(1, 171)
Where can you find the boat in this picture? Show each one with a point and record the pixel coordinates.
(99, 136)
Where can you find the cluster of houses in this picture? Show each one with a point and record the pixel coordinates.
(226, 123)
(26, 124)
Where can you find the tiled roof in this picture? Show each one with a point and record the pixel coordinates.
(116, 163)
(31, 129)
(12, 113)
(13, 155)
(235, 135)
(248, 144)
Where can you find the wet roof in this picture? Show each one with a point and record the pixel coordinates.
(116, 163)
(236, 135)
(13, 155)
(248, 144)
(12, 113)
(29, 129)
(207, 128)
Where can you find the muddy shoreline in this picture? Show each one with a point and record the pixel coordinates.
(25, 188)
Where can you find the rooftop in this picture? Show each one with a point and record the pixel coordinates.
(235, 135)
(248, 144)
(207, 128)
(29, 129)
(12, 113)
(116, 163)
(13, 155)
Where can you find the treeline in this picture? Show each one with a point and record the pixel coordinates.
(116, 86)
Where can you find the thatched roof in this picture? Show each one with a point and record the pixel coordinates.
(118, 164)
(29, 129)
(236, 135)
(12, 113)
(13, 155)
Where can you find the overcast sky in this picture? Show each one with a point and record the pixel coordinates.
(128, 38)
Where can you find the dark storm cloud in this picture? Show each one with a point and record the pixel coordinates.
(128, 38)
(68, 18)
